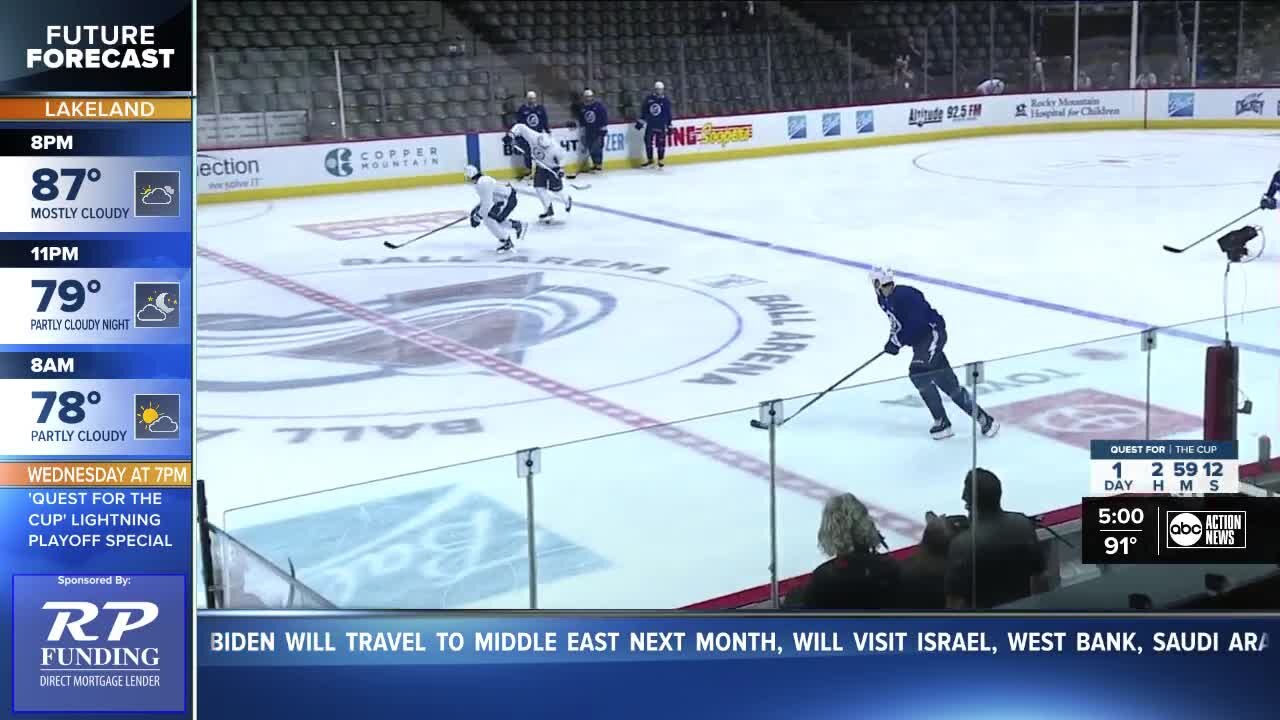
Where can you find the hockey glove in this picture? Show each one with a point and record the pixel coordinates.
(475, 216)
(892, 347)
(639, 124)
(1268, 203)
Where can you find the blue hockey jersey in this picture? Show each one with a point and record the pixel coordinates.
(535, 116)
(911, 317)
(594, 116)
(656, 112)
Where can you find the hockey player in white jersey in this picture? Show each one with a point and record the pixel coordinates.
(548, 169)
(497, 201)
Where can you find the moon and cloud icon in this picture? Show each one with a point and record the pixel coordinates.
(156, 304)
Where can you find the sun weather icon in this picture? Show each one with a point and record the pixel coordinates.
(156, 417)
(155, 304)
(156, 193)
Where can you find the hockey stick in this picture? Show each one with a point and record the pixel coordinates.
(1215, 232)
(544, 166)
(761, 426)
(397, 246)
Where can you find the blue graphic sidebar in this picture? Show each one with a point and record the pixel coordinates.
(96, 372)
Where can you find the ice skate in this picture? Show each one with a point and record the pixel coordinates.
(989, 425)
(941, 430)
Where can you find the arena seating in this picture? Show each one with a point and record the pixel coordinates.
(428, 67)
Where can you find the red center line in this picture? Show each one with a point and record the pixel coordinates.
(886, 519)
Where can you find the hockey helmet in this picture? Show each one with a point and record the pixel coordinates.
(471, 172)
(881, 276)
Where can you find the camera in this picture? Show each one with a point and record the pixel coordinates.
(1234, 244)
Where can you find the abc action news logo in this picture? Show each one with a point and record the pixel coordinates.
(1207, 529)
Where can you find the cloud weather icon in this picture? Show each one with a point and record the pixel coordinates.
(163, 424)
(157, 196)
(151, 313)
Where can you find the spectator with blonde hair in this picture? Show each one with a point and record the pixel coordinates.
(858, 576)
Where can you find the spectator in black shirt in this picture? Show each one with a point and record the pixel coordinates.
(1008, 557)
(858, 576)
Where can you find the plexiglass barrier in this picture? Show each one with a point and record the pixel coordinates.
(417, 70)
(670, 514)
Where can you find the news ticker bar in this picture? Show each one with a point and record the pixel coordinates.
(1181, 530)
(744, 665)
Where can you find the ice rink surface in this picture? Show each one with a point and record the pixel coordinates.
(696, 292)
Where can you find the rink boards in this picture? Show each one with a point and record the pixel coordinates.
(229, 175)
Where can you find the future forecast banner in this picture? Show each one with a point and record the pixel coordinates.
(96, 357)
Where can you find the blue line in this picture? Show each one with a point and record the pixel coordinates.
(951, 284)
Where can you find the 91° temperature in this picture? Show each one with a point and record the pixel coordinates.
(1119, 545)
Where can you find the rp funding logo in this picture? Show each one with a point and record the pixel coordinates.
(100, 643)
(338, 162)
(73, 616)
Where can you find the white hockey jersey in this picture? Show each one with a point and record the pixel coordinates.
(492, 193)
(551, 156)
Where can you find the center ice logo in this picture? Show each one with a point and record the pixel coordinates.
(504, 316)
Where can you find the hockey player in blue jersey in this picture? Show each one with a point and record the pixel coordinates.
(655, 119)
(1269, 199)
(533, 114)
(916, 325)
(595, 127)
